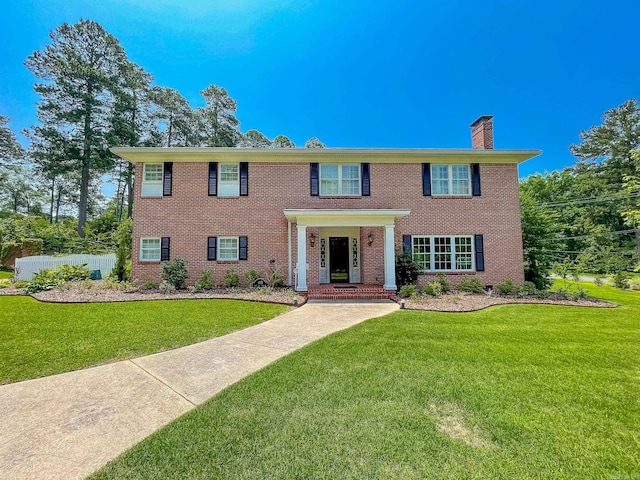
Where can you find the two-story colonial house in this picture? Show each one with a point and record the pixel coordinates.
(330, 216)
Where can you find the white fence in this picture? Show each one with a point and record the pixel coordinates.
(27, 267)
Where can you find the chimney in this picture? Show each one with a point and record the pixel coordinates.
(482, 133)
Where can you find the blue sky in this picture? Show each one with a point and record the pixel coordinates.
(388, 73)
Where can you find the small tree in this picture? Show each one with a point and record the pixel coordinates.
(175, 272)
(122, 269)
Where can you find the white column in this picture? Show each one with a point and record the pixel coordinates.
(302, 259)
(389, 258)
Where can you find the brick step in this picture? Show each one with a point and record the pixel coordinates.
(360, 292)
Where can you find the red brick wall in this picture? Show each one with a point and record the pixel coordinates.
(189, 216)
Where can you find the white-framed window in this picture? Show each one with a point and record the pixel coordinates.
(440, 253)
(450, 180)
(229, 179)
(152, 179)
(339, 180)
(228, 248)
(150, 249)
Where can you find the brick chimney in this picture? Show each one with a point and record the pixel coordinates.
(482, 133)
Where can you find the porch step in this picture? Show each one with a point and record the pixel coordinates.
(349, 292)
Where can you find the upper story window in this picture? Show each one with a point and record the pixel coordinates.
(152, 179)
(229, 184)
(339, 180)
(450, 180)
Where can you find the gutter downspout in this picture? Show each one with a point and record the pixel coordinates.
(289, 253)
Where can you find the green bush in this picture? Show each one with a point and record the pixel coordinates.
(507, 288)
(148, 284)
(407, 291)
(205, 282)
(470, 284)
(634, 283)
(231, 279)
(73, 273)
(174, 272)
(620, 279)
(528, 288)
(252, 275)
(406, 269)
(433, 289)
(4, 282)
(166, 287)
(21, 284)
(46, 279)
(598, 281)
(442, 280)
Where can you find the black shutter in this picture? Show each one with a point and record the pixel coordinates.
(242, 250)
(166, 179)
(165, 246)
(244, 179)
(475, 179)
(315, 180)
(213, 179)
(479, 253)
(366, 181)
(426, 179)
(406, 244)
(211, 248)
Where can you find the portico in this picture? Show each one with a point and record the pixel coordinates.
(339, 237)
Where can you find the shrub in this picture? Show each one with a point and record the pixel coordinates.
(175, 272)
(406, 269)
(275, 279)
(122, 269)
(599, 281)
(634, 283)
(507, 287)
(205, 282)
(442, 280)
(407, 291)
(4, 282)
(21, 283)
(231, 279)
(252, 275)
(73, 273)
(528, 288)
(433, 289)
(471, 284)
(167, 287)
(43, 280)
(620, 279)
(264, 290)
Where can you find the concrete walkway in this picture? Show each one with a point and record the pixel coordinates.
(67, 426)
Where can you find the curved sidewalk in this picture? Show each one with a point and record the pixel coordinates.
(67, 426)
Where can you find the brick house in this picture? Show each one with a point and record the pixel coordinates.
(326, 216)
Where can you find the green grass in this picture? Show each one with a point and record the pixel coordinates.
(521, 391)
(41, 339)
(4, 274)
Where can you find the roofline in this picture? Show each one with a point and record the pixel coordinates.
(289, 155)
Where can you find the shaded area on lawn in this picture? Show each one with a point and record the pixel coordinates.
(40, 339)
(523, 391)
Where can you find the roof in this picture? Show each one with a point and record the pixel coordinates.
(306, 155)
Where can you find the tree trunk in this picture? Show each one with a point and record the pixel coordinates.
(53, 192)
(170, 128)
(130, 170)
(86, 159)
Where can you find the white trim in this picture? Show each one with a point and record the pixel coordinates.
(344, 218)
(228, 188)
(450, 180)
(142, 249)
(328, 155)
(290, 260)
(339, 179)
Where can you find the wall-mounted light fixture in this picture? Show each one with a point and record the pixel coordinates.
(370, 238)
(312, 239)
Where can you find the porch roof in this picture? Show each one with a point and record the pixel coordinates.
(311, 217)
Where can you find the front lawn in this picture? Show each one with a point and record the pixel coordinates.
(5, 274)
(522, 391)
(41, 339)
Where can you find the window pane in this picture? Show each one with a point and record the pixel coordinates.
(440, 187)
(440, 179)
(329, 172)
(460, 180)
(150, 249)
(329, 187)
(350, 172)
(153, 172)
(422, 252)
(464, 251)
(227, 248)
(350, 187)
(442, 253)
(229, 172)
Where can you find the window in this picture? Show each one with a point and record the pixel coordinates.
(229, 181)
(227, 248)
(443, 253)
(450, 180)
(339, 180)
(150, 249)
(152, 180)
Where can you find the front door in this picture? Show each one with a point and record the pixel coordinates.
(339, 259)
